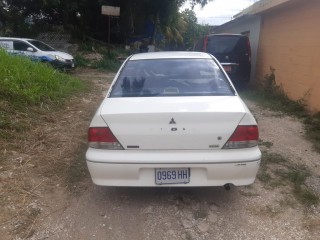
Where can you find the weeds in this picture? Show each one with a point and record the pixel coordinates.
(287, 202)
(282, 171)
(107, 63)
(28, 89)
(277, 170)
(23, 82)
(77, 170)
(107, 56)
(273, 158)
(200, 214)
(82, 61)
(266, 144)
(263, 176)
(272, 96)
(305, 196)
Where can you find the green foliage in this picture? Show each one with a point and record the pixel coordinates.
(264, 176)
(194, 31)
(312, 126)
(273, 158)
(25, 17)
(107, 57)
(305, 196)
(297, 176)
(107, 63)
(23, 82)
(272, 96)
(266, 144)
(26, 88)
(276, 170)
(81, 61)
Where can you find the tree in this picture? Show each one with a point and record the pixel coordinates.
(194, 31)
(85, 15)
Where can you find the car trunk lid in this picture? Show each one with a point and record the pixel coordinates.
(173, 123)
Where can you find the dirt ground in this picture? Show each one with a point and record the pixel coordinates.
(47, 193)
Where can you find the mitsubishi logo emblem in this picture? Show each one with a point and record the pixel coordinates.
(172, 121)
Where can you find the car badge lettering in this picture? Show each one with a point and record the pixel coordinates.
(172, 121)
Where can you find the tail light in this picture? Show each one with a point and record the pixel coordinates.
(243, 137)
(103, 138)
(249, 49)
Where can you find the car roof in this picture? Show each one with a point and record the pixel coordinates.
(227, 34)
(11, 38)
(170, 55)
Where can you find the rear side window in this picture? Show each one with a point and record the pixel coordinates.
(222, 44)
(20, 46)
(171, 77)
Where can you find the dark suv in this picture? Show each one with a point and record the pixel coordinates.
(233, 52)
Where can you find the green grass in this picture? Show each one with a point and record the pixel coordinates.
(277, 171)
(267, 144)
(305, 195)
(264, 176)
(81, 61)
(28, 88)
(276, 102)
(273, 158)
(279, 102)
(24, 82)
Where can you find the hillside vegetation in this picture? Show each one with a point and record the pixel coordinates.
(29, 88)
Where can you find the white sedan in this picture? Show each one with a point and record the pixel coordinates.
(172, 119)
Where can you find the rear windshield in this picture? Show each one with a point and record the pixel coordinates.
(222, 44)
(171, 77)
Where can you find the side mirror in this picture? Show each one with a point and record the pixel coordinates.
(30, 49)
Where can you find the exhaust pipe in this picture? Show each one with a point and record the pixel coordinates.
(227, 187)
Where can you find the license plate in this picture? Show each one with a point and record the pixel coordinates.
(172, 175)
(227, 68)
(72, 65)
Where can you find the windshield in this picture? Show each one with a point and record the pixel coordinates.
(221, 44)
(171, 77)
(40, 45)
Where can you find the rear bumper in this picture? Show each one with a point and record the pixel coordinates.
(207, 168)
(238, 73)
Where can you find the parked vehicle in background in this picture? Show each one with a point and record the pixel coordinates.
(172, 119)
(233, 52)
(37, 51)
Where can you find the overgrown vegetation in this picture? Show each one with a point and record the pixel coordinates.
(101, 56)
(28, 88)
(272, 96)
(35, 125)
(24, 82)
(276, 171)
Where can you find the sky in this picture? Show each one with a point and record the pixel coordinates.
(218, 12)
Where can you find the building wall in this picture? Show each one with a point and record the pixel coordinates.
(250, 24)
(290, 43)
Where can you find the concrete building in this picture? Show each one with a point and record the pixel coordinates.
(285, 36)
